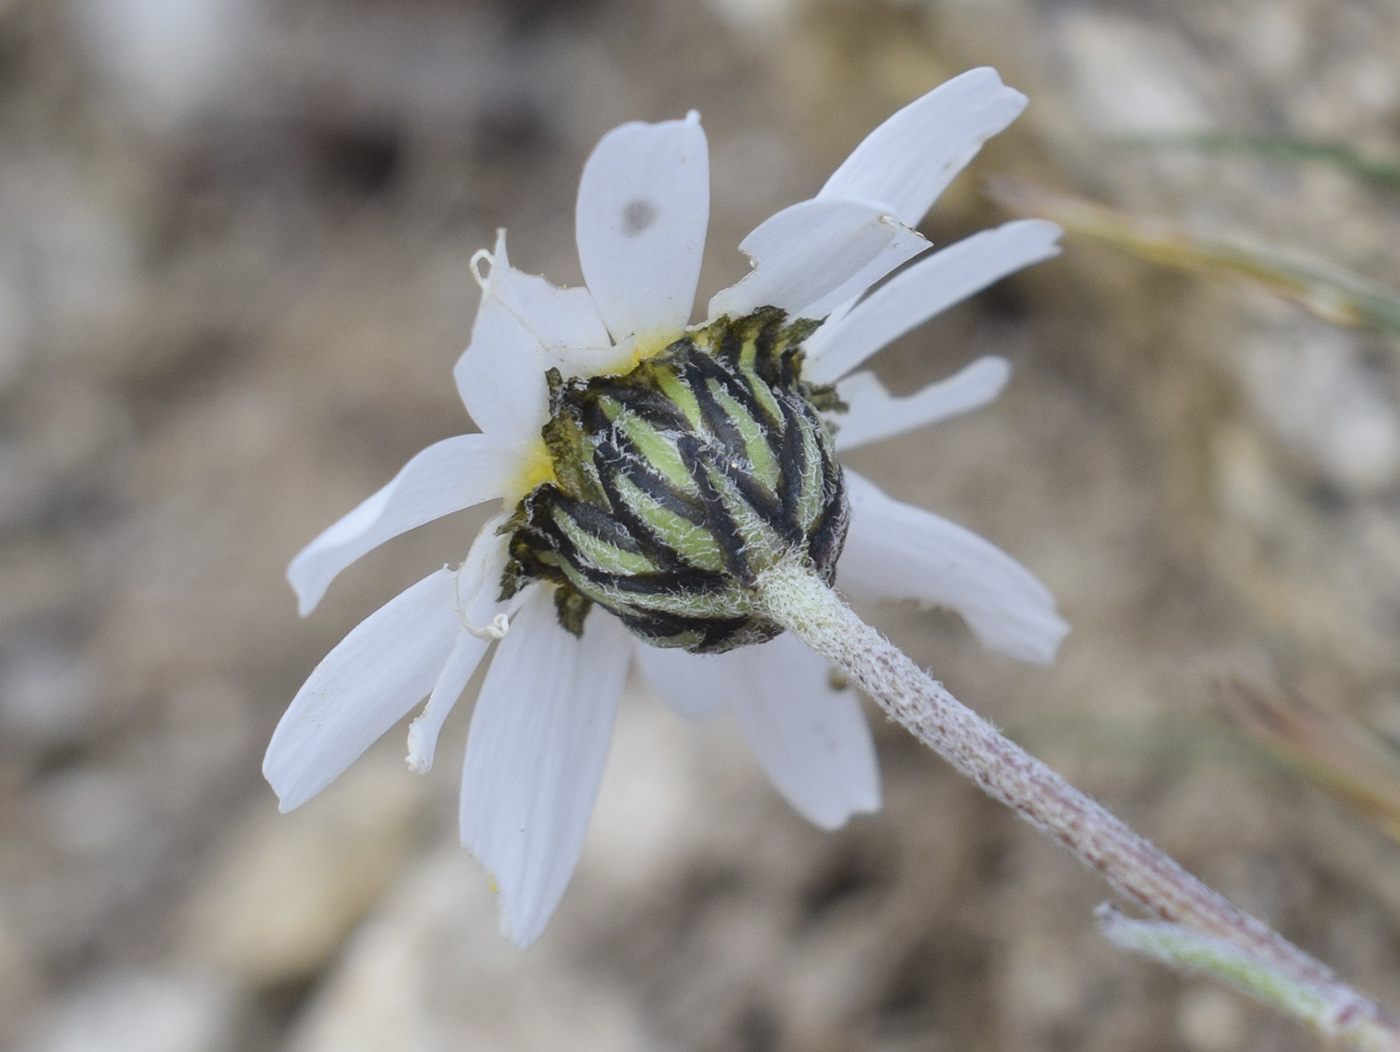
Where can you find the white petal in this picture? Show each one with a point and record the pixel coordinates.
(384, 667)
(926, 288)
(875, 414)
(672, 675)
(816, 254)
(484, 569)
(500, 375)
(906, 162)
(424, 730)
(907, 244)
(478, 588)
(523, 327)
(811, 738)
(447, 476)
(561, 320)
(538, 743)
(897, 551)
(813, 741)
(643, 207)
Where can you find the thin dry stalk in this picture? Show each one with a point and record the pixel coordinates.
(796, 598)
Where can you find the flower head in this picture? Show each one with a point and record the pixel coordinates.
(648, 469)
(677, 483)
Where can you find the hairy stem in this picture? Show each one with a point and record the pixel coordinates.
(796, 598)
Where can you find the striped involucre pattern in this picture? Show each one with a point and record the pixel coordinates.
(677, 483)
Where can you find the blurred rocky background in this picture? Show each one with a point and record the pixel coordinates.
(234, 248)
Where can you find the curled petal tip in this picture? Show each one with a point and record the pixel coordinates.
(308, 598)
(420, 749)
(479, 257)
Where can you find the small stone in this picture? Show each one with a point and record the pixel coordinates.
(48, 692)
(87, 811)
(1309, 383)
(167, 59)
(1131, 75)
(140, 1012)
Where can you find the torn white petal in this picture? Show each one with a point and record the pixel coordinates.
(480, 578)
(493, 630)
(524, 327)
(476, 599)
(562, 319)
(424, 730)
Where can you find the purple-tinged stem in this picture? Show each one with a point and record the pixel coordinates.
(796, 598)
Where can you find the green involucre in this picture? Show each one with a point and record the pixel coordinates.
(679, 482)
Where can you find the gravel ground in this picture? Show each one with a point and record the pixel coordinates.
(234, 274)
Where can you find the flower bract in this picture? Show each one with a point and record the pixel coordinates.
(645, 465)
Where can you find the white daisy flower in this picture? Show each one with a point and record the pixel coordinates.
(576, 392)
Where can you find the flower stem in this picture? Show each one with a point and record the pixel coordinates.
(799, 600)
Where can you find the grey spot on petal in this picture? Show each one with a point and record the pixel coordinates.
(637, 216)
